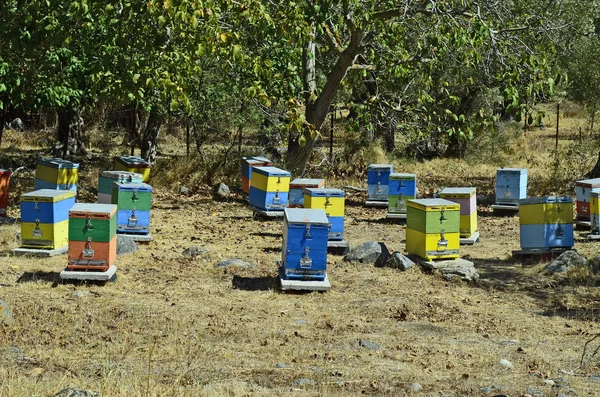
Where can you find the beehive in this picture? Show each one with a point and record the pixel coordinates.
(595, 212)
(56, 174)
(297, 186)
(45, 218)
(269, 188)
(134, 201)
(511, 185)
(403, 187)
(378, 180)
(332, 201)
(546, 222)
(467, 199)
(92, 236)
(247, 163)
(106, 180)
(583, 189)
(432, 228)
(4, 182)
(133, 164)
(304, 250)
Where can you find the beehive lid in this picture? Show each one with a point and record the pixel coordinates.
(324, 192)
(270, 171)
(381, 167)
(3, 171)
(256, 159)
(458, 191)
(434, 204)
(520, 170)
(122, 175)
(402, 175)
(133, 161)
(133, 185)
(58, 163)
(47, 195)
(590, 183)
(85, 209)
(546, 200)
(306, 182)
(305, 215)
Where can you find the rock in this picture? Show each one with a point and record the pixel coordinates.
(80, 294)
(282, 365)
(460, 268)
(487, 389)
(16, 124)
(184, 190)
(235, 262)
(5, 314)
(416, 387)
(221, 191)
(534, 392)
(35, 372)
(125, 245)
(303, 382)
(70, 392)
(549, 382)
(368, 345)
(506, 364)
(194, 251)
(370, 252)
(595, 378)
(565, 261)
(301, 321)
(399, 261)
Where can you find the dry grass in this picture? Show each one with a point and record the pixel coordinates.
(172, 325)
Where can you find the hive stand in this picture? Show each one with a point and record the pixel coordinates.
(338, 247)
(258, 213)
(108, 275)
(305, 285)
(376, 203)
(505, 209)
(472, 239)
(40, 252)
(7, 220)
(533, 255)
(582, 223)
(593, 236)
(436, 264)
(391, 215)
(137, 237)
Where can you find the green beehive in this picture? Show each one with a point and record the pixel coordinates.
(97, 221)
(129, 196)
(433, 215)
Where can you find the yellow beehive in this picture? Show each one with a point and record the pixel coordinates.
(331, 200)
(270, 179)
(57, 171)
(538, 213)
(133, 164)
(45, 235)
(468, 224)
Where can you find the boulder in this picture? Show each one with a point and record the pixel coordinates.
(70, 392)
(459, 268)
(370, 253)
(368, 345)
(125, 244)
(399, 261)
(5, 314)
(194, 251)
(235, 263)
(221, 191)
(566, 261)
(184, 190)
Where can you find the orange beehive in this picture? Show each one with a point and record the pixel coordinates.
(4, 180)
(92, 255)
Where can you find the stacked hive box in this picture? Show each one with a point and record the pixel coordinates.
(583, 190)
(595, 212)
(403, 187)
(133, 164)
(378, 180)
(511, 185)
(92, 237)
(546, 222)
(269, 188)
(106, 180)
(247, 164)
(45, 218)
(333, 203)
(4, 182)
(304, 251)
(134, 201)
(56, 174)
(466, 198)
(432, 228)
(297, 187)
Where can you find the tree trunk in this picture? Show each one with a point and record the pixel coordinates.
(3, 119)
(457, 147)
(150, 136)
(69, 132)
(389, 137)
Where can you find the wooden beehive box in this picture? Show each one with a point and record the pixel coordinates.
(333, 202)
(56, 174)
(403, 187)
(432, 228)
(511, 185)
(304, 249)
(466, 197)
(378, 181)
(546, 222)
(247, 163)
(297, 186)
(595, 212)
(45, 218)
(106, 180)
(133, 164)
(92, 236)
(4, 183)
(269, 188)
(134, 202)
(583, 189)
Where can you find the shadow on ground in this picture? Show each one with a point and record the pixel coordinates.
(255, 283)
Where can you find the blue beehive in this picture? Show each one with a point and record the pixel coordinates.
(378, 180)
(134, 201)
(269, 188)
(304, 251)
(511, 185)
(332, 201)
(546, 222)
